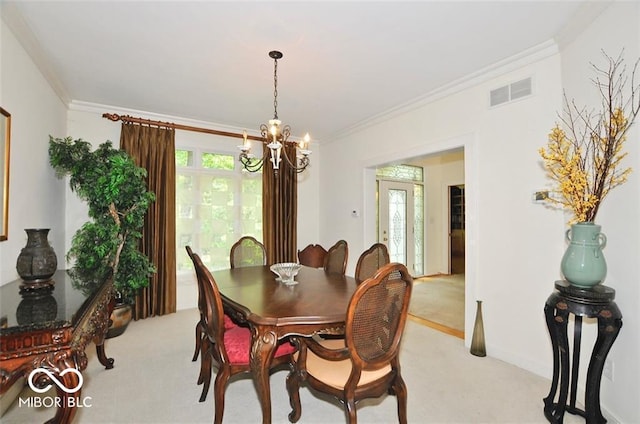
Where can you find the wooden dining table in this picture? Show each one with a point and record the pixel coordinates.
(274, 311)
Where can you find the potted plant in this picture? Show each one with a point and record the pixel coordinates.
(584, 159)
(115, 190)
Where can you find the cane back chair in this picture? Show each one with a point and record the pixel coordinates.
(247, 251)
(366, 362)
(335, 262)
(370, 261)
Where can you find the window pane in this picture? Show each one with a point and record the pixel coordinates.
(218, 161)
(401, 172)
(184, 158)
(216, 204)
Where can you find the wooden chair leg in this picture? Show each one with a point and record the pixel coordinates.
(350, 409)
(205, 370)
(293, 387)
(198, 342)
(204, 344)
(400, 390)
(219, 387)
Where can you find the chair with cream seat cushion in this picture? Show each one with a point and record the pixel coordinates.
(365, 363)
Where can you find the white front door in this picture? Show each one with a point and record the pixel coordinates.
(396, 212)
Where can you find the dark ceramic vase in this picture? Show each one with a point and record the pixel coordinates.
(37, 261)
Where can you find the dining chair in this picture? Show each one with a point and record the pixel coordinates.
(335, 262)
(370, 261)
(228, 347)
(247, 251)
(365, 363)
(201, 346)
(313, 255)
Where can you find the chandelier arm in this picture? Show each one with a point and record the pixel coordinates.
(252, 164)
(303, 161)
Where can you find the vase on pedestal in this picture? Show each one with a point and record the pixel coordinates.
(583, 264)
(37, 261)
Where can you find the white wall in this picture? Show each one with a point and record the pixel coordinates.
(514, 246)
(508, 237)
(36, 196)
(618, 27)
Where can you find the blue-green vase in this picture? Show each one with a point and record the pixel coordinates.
(583, 263)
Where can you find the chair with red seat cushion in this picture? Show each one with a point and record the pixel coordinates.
(205, 373)
(229, 348)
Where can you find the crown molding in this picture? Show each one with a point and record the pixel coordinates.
(512, 63)
(99, 109)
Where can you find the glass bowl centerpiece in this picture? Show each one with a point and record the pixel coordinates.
(286, 272)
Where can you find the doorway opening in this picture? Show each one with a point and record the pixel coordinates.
(431, 239)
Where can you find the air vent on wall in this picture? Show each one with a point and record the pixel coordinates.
(513, 91)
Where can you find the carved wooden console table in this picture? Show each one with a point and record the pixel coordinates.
(45, 332)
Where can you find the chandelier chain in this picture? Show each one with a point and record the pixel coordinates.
(275, 89)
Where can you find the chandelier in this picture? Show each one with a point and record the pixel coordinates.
(274, 138)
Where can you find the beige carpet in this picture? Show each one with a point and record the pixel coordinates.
(439, 299)
(154, 382)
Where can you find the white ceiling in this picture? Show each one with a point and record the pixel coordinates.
(344, 61)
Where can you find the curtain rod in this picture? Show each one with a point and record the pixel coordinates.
(130, 119)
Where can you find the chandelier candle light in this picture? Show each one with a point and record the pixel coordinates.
(274, 137)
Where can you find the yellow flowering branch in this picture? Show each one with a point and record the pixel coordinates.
(584, 151)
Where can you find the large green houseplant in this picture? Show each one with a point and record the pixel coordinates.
(115, 189)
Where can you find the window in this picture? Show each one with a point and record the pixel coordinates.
(216, 204)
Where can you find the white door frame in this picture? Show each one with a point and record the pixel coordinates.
(471, 171)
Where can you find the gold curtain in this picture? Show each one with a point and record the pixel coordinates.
(153, 148)
(280, 210)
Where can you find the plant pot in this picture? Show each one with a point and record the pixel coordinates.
(583, 264)
(120, 318)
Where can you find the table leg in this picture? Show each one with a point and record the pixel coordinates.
(263, 346)
(609, 324)
(575, 363)
(557, 320)
(548, 401)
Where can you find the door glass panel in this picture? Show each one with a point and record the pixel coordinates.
(418, 228)
(397, 225)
